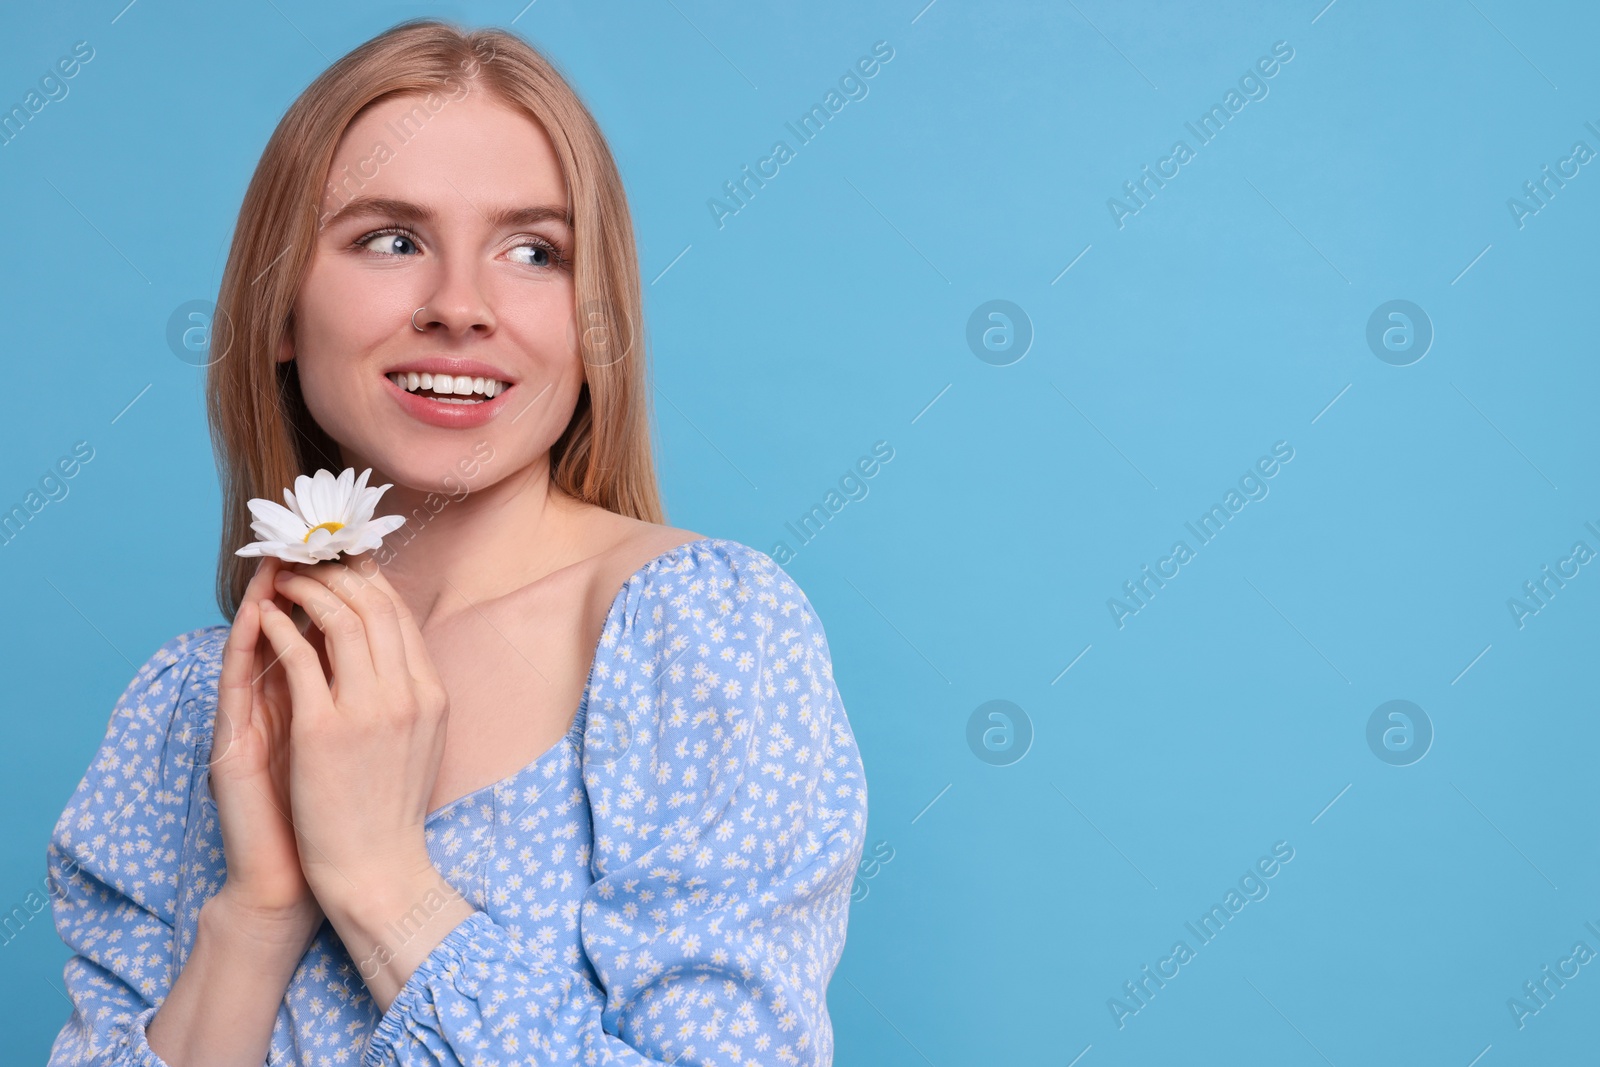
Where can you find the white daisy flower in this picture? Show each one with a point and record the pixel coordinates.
(325, 516)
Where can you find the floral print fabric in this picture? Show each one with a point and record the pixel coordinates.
(670, 882)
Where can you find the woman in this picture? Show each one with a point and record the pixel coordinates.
(389, 838)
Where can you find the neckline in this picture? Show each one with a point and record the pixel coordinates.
(575, 731)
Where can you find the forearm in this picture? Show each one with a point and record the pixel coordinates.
(221, 1009)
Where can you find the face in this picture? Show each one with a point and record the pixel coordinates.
(450, 221)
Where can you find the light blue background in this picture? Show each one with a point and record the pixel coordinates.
(829, 313)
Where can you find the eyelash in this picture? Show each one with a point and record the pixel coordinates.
(558, 258)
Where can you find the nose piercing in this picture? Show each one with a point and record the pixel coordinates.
(414, 320)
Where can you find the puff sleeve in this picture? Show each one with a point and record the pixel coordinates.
(729, 807)
(114, 858)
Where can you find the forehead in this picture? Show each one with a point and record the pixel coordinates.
(436, 151)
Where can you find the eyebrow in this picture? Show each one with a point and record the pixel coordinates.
(406, 211)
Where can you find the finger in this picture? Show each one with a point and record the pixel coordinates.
(274, 682)
(260, 587)
(344, 633)
(418, 661)
(268, 671)
(260, 583)
(380, 610)
(308, 690)
(236, 683)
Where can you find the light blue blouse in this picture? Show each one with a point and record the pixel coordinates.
(670, 882)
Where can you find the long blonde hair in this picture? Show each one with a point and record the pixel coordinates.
(262, 432)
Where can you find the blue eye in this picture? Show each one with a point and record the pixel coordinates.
(393, 241)
(396, 239)
(551, 256)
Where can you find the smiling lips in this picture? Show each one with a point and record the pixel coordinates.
(458, 388)
(452, 401)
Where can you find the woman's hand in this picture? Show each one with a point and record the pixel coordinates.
(265, 887)
(365, 754)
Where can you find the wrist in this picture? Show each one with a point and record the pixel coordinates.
(390, 880)
(265, 933)
(390, 926)
(397, 905)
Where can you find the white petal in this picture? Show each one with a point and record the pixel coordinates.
(269, 531)
(342, 495)
(331, 545)
(285, 524)
(358, 493)
(325, 497)
(305, 500)
(288, 552)
(369, 501)
(366, 537)
(355, 547)
(386, 524)
(361, 509)
(320, 497)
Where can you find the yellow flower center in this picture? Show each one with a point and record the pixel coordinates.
(331, 527)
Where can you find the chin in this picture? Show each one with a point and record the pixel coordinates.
(452, 473)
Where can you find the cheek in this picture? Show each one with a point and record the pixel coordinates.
(542, 422)
(539, 422)
(336, 332)
(329, 367)
(329, 405)
(548, 338)
(347, 312)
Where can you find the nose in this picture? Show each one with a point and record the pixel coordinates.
(457, 304)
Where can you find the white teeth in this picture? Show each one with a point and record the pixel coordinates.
(445, 387)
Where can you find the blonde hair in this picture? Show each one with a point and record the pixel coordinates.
(262, 432)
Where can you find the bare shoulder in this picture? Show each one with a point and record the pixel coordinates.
(623, 545)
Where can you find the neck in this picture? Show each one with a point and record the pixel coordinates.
(464, 546)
